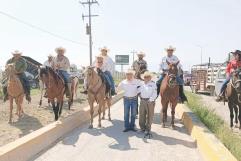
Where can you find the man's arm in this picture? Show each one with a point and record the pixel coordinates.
(154, 93)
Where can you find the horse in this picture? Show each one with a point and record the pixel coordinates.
(15, 91)
(55, 89)
(169, 92)
(233, 93)
(97, 92)
(74, 86)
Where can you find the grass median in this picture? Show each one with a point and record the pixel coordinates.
(215, 124)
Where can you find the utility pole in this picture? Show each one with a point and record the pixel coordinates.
(201, 48)
(89, 26)
(133, 55)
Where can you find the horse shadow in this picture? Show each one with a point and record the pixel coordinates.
(27, 124)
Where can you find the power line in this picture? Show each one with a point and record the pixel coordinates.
(40, 29)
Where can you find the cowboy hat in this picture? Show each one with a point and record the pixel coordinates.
(60, 49)
(50, 56)
(16, 52)
(147, 74)
(104, 49)
(141, 53)
(99, 56)
(236, 52)
(170, 48)
(130, 71)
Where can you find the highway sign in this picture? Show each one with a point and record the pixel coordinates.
(122, 59)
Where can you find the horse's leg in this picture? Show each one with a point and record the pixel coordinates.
(101, 105)
(21, 105)
(103, 109)
(91, 114)
(230, 106)
(17, 101)
(58, 108)
(164, 111)
(173, 114)
(239, 116)
(55, 110)
(109, 104)
(76, 88)
(11, 109)
(236, 115)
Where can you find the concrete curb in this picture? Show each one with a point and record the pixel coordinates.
(30, 145)
(209, 146)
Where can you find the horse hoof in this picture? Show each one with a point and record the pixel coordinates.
(163, 125)
(103, 118)
(236, 126)
(91, 127)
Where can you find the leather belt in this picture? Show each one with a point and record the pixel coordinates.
(145, 99)
(130, 98)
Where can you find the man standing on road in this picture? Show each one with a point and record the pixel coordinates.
(61, 64)
(232, 66)
(130, 86)
(20, 67)
(148, 94)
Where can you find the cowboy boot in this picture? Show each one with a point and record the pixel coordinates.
(68, 90)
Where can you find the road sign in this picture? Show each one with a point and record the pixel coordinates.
(122, 59)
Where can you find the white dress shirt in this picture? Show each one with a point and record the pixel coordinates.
(148, 90)
(47, 64)
(172, 59)
(130, 88)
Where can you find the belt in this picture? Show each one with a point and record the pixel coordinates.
(145, 99)
(130, 98)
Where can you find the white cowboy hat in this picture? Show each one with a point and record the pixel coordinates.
(141, 53)
(16, 52)
(60, 49)
(50, 56)
(104, 49)
(130, 71)
(99, 56)
(147, 74)
(170, 48)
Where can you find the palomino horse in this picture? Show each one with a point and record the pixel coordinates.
(169, 93)
(55, 89)
(15, 91)
(233, 93)
(97, 92)
(74, 86)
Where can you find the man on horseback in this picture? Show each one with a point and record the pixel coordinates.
(164, 68)
(49, 62)
(20, 66)
(139, 65)
(61, 64)
(232, 66)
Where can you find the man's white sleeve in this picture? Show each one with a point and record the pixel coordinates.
(154, 93)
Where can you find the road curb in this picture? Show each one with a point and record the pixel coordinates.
(209, 146)
(30, 145)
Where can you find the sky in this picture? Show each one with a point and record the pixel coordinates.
(123, 26)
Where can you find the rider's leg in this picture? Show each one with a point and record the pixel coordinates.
(26, 85)
(67, 82)
(107, 78)
(180, 82)
(112, 83)
(223, 88)
(5, 93)
(158, 83)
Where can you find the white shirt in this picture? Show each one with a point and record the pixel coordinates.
(47, 64)
(130, 87)
(148, 90)
(172, 59)
(108, 65)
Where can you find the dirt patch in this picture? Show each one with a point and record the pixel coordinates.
(34, 117)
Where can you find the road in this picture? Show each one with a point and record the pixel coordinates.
(109, 143)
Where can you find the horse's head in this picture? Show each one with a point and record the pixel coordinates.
(236, 80)
(43, 73)
(91, 74)
(10, 69)
(172, 71)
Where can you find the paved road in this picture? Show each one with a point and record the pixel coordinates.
(111, 144)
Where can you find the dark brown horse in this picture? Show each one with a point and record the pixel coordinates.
(169, 93)
(233, 93)
(55, 89)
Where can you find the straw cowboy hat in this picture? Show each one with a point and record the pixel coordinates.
(147, 74)
(16, 52)
(170, 48)
(130, 71)
(104, 49)
(60, 49)
(141, 53)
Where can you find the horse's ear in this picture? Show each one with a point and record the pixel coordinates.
(168, 63)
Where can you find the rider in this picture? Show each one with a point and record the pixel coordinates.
(48, 63)
(108, 68)
(139, 64)
(232, 66)
(164, 67)
(20, 67)
(61, 65)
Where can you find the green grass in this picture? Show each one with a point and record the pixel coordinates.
(215, 124)
(35, 92)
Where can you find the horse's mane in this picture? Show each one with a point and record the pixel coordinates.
(51, 71)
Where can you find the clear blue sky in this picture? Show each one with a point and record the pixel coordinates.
(124, 25)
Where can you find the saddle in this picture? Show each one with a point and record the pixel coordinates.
(103, 78)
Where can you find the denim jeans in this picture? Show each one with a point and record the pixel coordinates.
(25, 82)
(130, 106)
(110, 80)
(65, 75)
(225, 83)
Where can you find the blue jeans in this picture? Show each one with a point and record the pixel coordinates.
(178, 79)
(110, 80)
(225, 83)
(130, 105)
(65, 75)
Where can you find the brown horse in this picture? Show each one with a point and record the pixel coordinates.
(15, 91)
(97, 93)
(55, 89)
(169, 93)
(233, 93)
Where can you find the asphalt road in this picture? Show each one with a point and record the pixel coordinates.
(109, 143)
